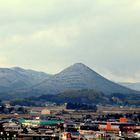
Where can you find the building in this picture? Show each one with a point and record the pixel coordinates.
(122, 126)
(45, 111)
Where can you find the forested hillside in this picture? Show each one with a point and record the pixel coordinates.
(87, 96)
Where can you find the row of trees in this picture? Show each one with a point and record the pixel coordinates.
(81, 106)
(5, 110)
(23, 102)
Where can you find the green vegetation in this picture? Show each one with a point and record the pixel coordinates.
(87, 96)
(5, 110)
(22, 102)
(124, 99)
(81, 106)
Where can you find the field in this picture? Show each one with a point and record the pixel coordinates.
(75, 113)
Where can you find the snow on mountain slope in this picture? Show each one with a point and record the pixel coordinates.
(14, 78)
(79, 76)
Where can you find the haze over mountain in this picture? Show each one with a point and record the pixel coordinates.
(15, 78)
(79, 76)
(135, 86)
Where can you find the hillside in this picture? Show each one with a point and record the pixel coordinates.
(88, 96)
(79, 76)
(85, 96)
(16, 78)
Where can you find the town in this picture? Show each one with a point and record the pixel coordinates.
(59, 123)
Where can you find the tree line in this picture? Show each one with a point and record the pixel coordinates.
(81, 106)
(87, 96)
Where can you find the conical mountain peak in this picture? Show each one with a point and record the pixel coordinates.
(77, 68)
(76, 76)
(79, 65)
(79, 76)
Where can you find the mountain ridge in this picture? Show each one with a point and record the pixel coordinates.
(135, 86)
(16, 77)
(75, 77)
(79, 76)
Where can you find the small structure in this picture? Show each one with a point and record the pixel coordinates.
(40, 123)
(45, 111)
(36, 111)
(7, 106)
(40, 111)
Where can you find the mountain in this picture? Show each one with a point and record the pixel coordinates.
(78, 76)
(135, 86)
(16, 78)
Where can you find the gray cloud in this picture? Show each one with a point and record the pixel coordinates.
(51, 35)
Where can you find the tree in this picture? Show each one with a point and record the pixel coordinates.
(81, 106)
(88, 116)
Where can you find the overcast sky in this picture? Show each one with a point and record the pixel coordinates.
(50, 35)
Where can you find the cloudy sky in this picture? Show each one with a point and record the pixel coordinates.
(50, 35)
